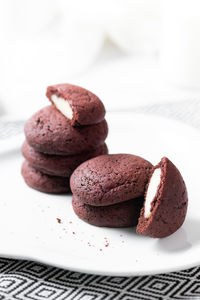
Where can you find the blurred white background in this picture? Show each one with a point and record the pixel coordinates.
(129, 52)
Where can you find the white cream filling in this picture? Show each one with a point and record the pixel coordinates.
(151, 191)
(63, 106)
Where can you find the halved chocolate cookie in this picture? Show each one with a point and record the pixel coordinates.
(79, 105)
(165, 203)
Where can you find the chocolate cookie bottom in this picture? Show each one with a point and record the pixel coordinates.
(124, 214)
(58, 165)
(44, 183)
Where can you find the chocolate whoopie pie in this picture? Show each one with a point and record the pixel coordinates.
(165, 203)
(124, 214)
(77, 104)
(110, 179)
(50, 132)
(58, 165)
(44, 183)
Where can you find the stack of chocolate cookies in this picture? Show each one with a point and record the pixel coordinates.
(61, 136)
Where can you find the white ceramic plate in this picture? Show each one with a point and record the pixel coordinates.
(28, 219)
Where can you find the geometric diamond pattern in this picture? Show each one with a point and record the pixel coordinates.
(189, 291)
(28, 280)
(43, 290)
(158, 286)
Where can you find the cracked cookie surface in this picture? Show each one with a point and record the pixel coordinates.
(50, 132)
(110, 179)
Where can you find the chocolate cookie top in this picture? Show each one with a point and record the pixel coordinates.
(50, 132)
(44, 183)
(169, 200)
(78, 104)
(58, 165)
(110, 179)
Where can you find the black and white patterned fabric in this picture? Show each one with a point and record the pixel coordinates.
(30, 280)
